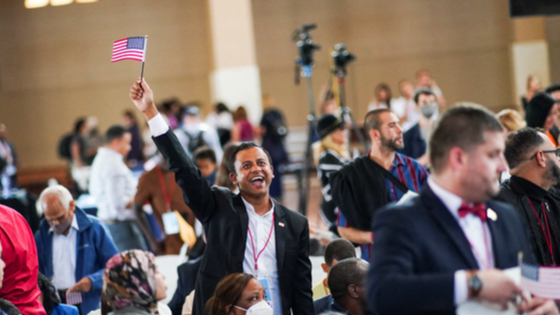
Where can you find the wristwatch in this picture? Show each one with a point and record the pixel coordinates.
(475, 285)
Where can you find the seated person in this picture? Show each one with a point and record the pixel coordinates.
(347, 282)
(335, 251)
(205, 159)
(238, 294)
(50, 300)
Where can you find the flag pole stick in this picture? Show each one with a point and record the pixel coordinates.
(143, 60)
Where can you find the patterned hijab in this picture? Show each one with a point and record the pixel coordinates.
(129, 280)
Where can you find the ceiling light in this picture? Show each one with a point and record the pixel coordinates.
(32, 4)
(60, 2)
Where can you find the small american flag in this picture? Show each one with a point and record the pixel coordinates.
(73, 298)
(543, 282)
(131, 48)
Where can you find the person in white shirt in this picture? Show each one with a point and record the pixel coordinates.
(113, 187)
(247, 232)
(451, 244)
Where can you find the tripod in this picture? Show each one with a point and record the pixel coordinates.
(341, 58)
(306, 47)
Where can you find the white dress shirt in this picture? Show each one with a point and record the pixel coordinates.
(261, 228)
(64, 257)
(112, 185)
(475, 231)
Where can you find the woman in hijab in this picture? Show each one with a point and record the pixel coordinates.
(132, 284)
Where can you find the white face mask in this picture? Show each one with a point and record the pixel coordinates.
(261, 308)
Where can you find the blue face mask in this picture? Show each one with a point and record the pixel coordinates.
(212, 178)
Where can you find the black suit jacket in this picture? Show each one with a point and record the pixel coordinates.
(418, 247)
(225, 221)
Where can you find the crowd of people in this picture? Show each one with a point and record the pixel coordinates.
(427, 220)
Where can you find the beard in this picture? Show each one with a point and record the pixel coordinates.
(553, 173)
(391, 144)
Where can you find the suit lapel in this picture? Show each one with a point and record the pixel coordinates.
(280, 233)
(239, 206)
(449, 225)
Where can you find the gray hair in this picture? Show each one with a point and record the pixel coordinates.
(60, 191)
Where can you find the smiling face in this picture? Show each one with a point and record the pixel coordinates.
(253, 173)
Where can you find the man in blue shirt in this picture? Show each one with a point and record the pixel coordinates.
(374, 180)
(72, 247)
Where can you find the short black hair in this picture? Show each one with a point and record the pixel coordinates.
(204, 152)
(462, 126)
(520, 145)
(339, 249)
(241, 147)
(345, 273)
(50, 295)
(552, 88)
(114, 132)
(372, 121)
(424, 91)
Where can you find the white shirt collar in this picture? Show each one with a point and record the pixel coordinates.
(451, 201)
(251, 209)
(73, 225)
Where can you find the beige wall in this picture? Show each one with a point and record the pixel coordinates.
(55, 64)
(464, 43)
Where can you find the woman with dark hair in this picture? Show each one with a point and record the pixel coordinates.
(50, 300)
(238, 293)
(132, 284)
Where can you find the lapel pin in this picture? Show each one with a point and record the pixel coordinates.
(281, 224)
(492, 215)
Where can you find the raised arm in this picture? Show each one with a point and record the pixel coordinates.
(196, 191)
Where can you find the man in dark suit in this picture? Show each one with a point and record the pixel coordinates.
(248, 232)
(450, 244)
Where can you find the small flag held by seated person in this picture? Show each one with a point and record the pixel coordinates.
(542, 282)
(131, 48)
(73, 298)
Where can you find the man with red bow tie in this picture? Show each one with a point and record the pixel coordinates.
(450, 244)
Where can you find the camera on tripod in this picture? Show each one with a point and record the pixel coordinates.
(341, 58)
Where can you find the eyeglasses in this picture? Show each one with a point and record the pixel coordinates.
(555, 151)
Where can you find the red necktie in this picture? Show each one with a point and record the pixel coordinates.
(478, 209)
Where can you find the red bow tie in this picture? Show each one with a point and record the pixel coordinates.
(478, 209)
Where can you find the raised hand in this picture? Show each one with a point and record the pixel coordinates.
(143, 98)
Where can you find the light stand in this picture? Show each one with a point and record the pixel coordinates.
(341, 58)
(306, 47)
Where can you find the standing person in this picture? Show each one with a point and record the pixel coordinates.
(222, 121)
(158, 188)
(533, 87)
(242, 129)
(416, 139)
(374, 180)
(450, 244)
(8, 153)
(330, 154)
(536, 168)
(273, 132)
(541, 113)
(19, 256)
(424, 81)
(113, 187)
(72, 247)
(254, 233)
(194, 133)
(135, 154)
